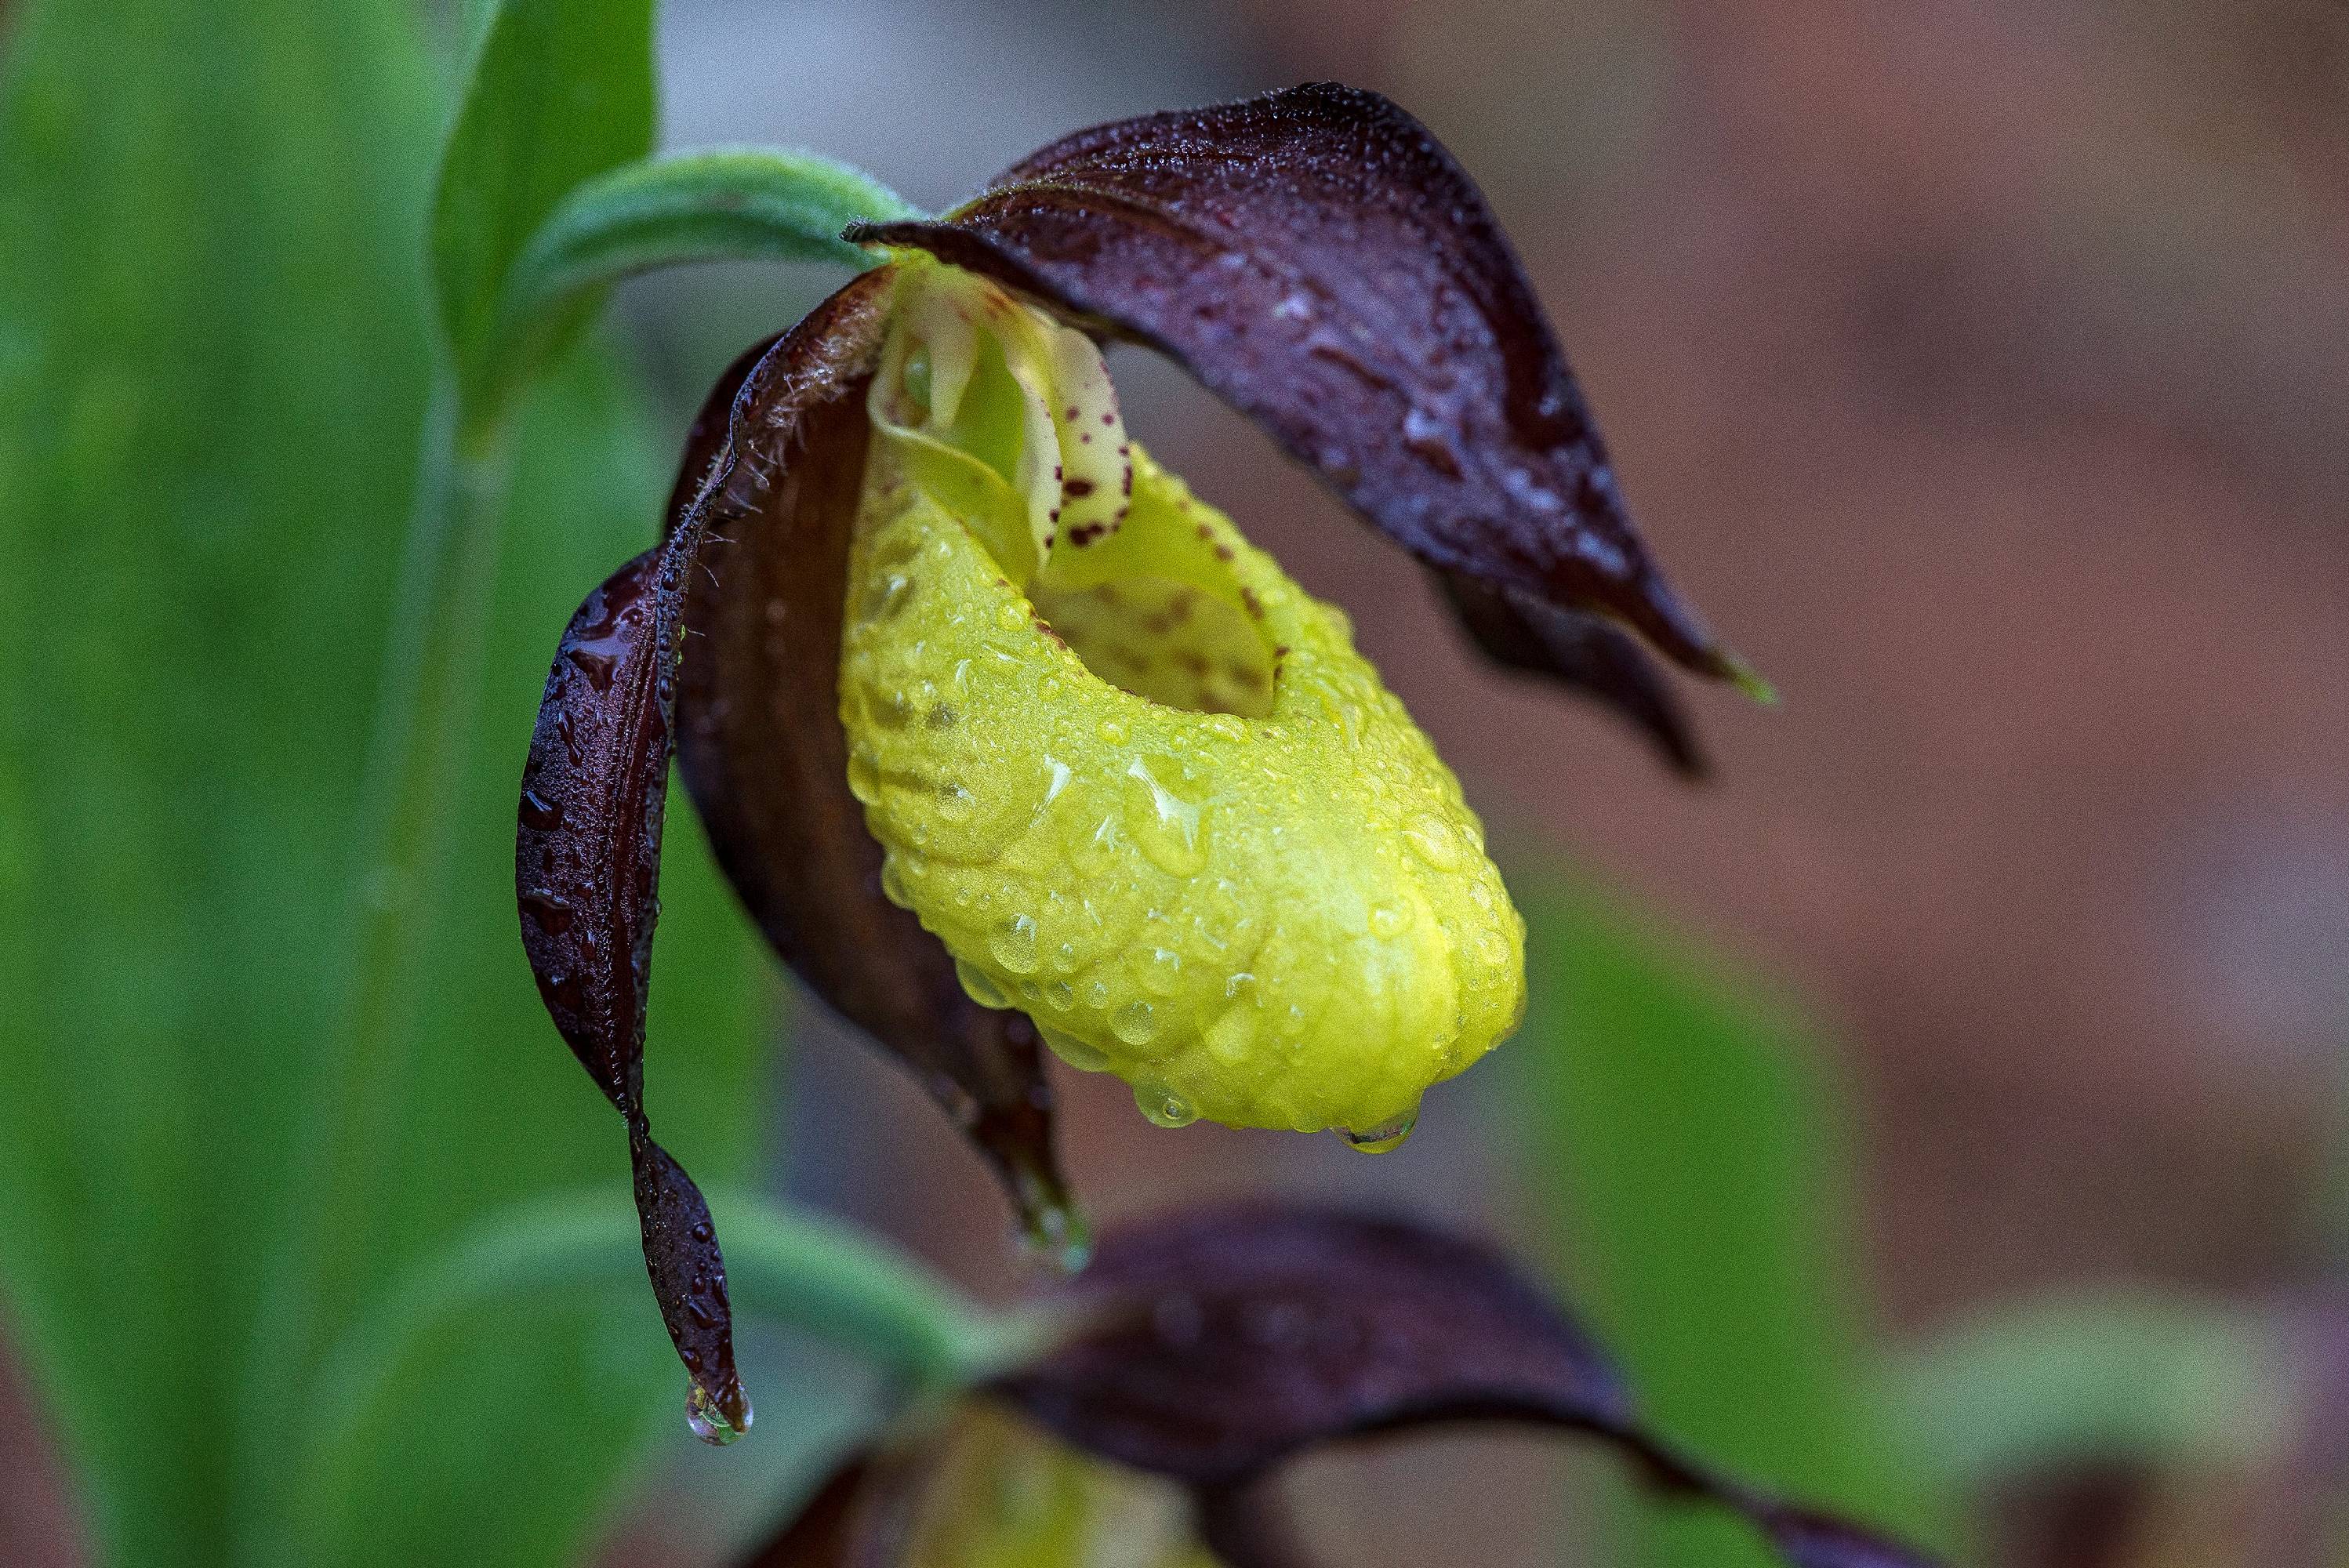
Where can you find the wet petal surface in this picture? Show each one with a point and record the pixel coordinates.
(772, 474)
(1148, 793)
(1318, 260)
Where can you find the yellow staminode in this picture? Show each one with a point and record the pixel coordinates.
(1138, 782)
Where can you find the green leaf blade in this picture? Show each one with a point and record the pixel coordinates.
(2096, 1377)
(213, 368)
(1697, 1166)
(173, 353)
(560, 90)
(578, 1257)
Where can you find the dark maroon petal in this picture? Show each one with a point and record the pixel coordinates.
(588, 880)
(1582, 652)
(688, 1279)
(1222, 1342)
(1211, 1346)
(773, 473)
(1318, 260)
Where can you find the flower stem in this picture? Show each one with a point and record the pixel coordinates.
(423, 730)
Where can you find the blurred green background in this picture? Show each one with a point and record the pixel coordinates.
(1939, 1111)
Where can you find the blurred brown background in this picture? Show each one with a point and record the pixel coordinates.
(1982, 368)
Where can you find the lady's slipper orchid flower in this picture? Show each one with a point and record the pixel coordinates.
(1003, 735)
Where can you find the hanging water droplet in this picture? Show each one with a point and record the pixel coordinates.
(979, 987)
(1136, 1023)
(1072, 1050)
(1162, 1106)
(710, 1420)
(892, 883)
(863, 778)
(1054, 1231)
(1014, 944)
(1383, 1138)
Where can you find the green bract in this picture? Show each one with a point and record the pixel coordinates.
(1140, 784)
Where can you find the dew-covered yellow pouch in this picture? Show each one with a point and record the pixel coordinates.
(1140, 783)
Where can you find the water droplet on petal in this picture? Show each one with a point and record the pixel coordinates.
(710, 1420)
(1072, 1050)
(1433, 841)
(1136, 1023)
(1014, 944)
(1162, 1106)
(863, 778)
(1229, 1036)
(1166, 827)
(1163, 973)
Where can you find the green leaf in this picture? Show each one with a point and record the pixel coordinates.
(580, 1254)
(1682, 1125)
(725, 204)
(559, 91)
(2096, 1379)
(207, 249)
(213, 368)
